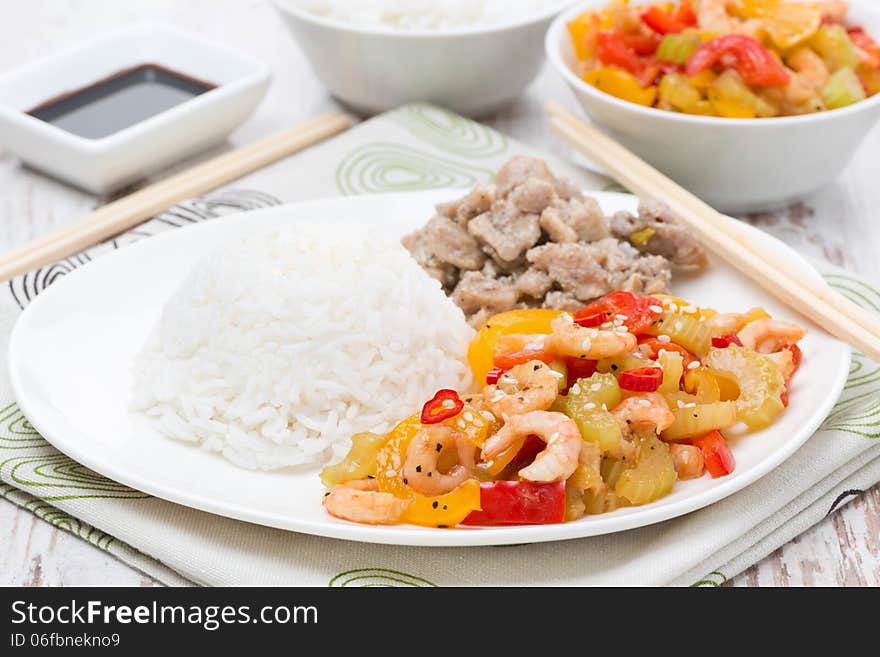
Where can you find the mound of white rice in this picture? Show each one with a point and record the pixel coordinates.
(280, 346)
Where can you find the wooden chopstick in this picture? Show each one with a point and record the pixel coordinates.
(143, 204)
(723, 236)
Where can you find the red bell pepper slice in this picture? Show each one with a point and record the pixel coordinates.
(591, 321)
(444, 405)
(642, 44)
(508, 361)
(519, 503)
(755, 64)
(636, 309)
(716, 454)
(644, 379)
(726, 340)
(663, 22)
(864, 42)
(612, 50)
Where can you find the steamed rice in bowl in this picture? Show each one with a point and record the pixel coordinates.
(282, 345)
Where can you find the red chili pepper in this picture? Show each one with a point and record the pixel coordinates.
(508, 361)
(493, 375)
(716, 454)
(663, 22)
(519, 503)
(655, 345)
(444, 405)
(726, 340)
(634, 308)
(612, 50)
(755, 64)
(644, 379)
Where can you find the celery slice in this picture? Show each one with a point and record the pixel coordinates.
(843, 88)
(678, 48)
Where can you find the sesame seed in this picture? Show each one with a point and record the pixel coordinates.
(665, 339)
(576, 389)
(595, 387)
(679, 403)
(621, 318)
(606, 325)
(691, 405)
(587, 344)
(488, 416)
(645, 403)
(660, 353)
(693, 365)
(691, 310)
(558, 375)
(604, 407)
(498, 396)
(554, 437)
(589, 406)
(568, 318)
(468, 416)
(655, 309)
(461, 424)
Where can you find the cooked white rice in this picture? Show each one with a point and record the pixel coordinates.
(427, 14)
(280, 346)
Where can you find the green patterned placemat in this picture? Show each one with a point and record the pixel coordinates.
(422, 147)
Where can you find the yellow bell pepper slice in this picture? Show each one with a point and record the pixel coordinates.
(582, 31)
(481, 352)
(621, 84)
(437, 511)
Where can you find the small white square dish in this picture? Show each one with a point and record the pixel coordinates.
(66, 114)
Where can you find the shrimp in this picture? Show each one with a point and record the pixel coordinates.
(644, 410)
(532, 386)
(834, 10)
(361, 501)
(769, 335)
(571, 339)
(784, 361)
(421, 471)
(687, 460)
(557, 461)
(712, 16)
(810, 75)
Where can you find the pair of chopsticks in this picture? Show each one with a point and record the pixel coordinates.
(723, 236)
(136, 208)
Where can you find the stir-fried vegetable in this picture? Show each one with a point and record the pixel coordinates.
(721, 61)
(560, 437)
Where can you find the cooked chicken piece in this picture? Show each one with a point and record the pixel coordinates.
(652, 276)
(533, 283)
(475, 202)
(518, 170)
(509, 232)
(533, 196)
(559, 300)
(419, 247)
(452, 244)
(588, 271)
(567, 190)
(476, 292)
(575, 221)
(554, 224)
(655, 231)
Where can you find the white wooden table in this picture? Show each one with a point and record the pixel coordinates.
(838, 224)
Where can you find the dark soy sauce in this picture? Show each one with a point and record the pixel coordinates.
(119, 101)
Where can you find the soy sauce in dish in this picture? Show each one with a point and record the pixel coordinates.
(119, 101)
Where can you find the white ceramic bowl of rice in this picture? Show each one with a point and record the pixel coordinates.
(280, 346)
(472, 56)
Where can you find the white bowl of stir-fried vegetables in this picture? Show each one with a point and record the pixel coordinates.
(714, 102)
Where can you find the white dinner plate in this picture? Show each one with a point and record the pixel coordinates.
(71, 356)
